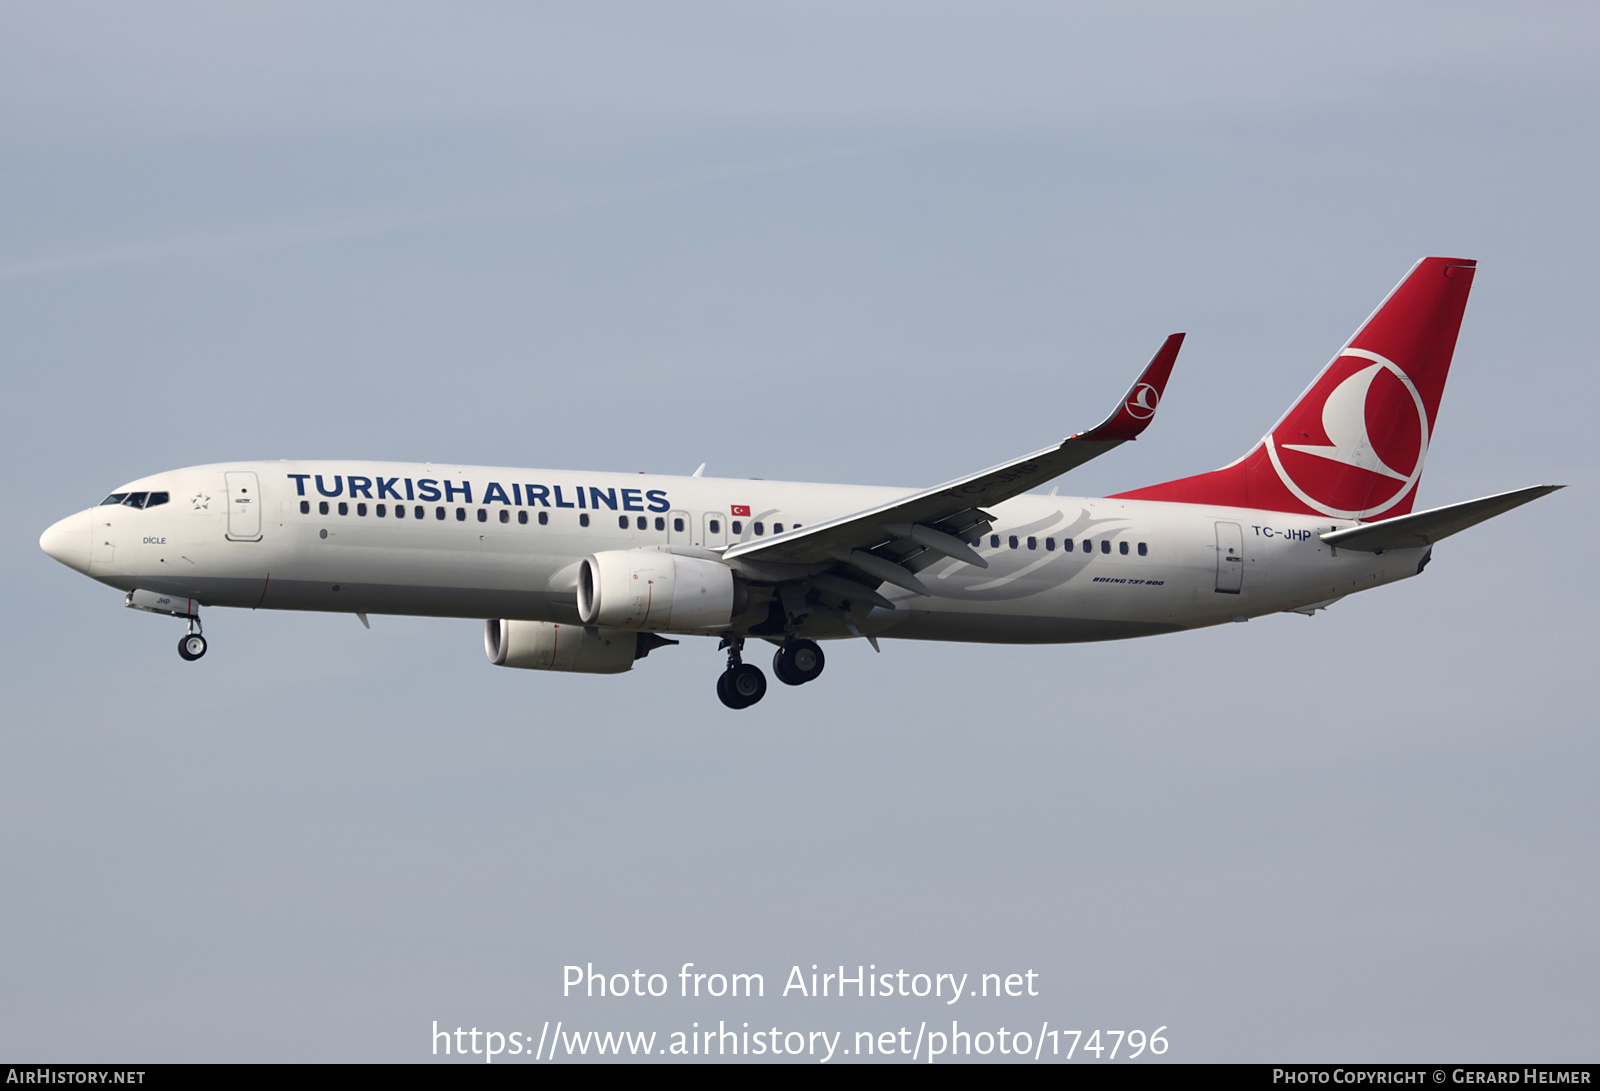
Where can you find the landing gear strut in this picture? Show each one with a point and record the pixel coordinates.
(742, 684)
(193, 644)
(798, 662)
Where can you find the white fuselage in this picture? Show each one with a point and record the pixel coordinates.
(471, 543)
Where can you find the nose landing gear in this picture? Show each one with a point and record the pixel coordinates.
(193, 644)
(742, 684)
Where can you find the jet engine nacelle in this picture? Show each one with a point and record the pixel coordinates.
(548, 646)
(652, 590)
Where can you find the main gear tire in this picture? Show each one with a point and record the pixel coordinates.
(798, 662)
(741, 686)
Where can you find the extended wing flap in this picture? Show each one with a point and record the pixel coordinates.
(1426, 527)
(952, 501)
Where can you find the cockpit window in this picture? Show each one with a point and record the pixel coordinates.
(137, 499)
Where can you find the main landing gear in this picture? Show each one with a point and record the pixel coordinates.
(797, 662)
(742, 684)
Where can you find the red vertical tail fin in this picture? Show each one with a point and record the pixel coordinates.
(1353, 445)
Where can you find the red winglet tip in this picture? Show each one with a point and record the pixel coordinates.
(1139, 404)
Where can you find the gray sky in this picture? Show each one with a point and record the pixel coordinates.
(882, 243)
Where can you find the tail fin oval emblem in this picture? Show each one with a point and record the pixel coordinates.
(1358, 450)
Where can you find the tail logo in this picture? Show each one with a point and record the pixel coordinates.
(1353, 447)
(1142, 405)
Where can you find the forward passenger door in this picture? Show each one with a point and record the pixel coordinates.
(244, 506)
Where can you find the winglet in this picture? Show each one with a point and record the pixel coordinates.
(1138, 406)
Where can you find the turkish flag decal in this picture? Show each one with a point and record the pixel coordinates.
(740, 509)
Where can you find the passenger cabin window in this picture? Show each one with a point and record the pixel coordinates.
(1066, 545)
(661, 524)
(622, 522)
(994, 541)
(777, 528)
(305, 507)
(399, 511)
(344, 509)
(1013, 541)
(483, 515)
(1143, 549)
(461, 515)
(1049, 545)
(1088, 546)
(738, 527)
(1122, 548)
(361, 509)
(381, 510)
(505, 515)
(1033, 543)
(438, 513)
(1105, 545)
(715, 527)
(544, 517)
(322, 507)
(522, 517)
(642, 523)
(677, 525)
(583, 520)
(760, 528)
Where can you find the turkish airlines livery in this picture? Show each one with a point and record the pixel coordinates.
(588, 571)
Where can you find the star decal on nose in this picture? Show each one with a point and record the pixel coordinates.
(201, 501)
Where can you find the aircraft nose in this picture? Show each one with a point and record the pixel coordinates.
(68, 540)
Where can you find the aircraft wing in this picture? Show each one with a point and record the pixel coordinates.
(892, 541)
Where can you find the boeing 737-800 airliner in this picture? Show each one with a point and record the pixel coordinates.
(584, 571)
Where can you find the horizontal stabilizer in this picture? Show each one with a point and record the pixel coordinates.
(1426, 527)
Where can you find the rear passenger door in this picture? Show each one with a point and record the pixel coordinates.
(1230, 558)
